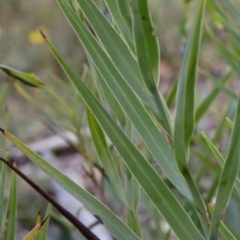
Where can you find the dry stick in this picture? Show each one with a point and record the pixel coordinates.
(83, 229)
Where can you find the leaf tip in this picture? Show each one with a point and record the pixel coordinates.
(3, 131)
(44, 220)
(43, 35)
(98, 219)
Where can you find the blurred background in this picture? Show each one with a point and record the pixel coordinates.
(22, 48)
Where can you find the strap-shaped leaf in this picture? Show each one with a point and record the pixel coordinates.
(35, 231)
(3, 93)
(106, 93)
(228, 177)
(12, 209)
(184, 121)
(44, 230)
(130, 103)
(224, 230)
(144, 173)
(2, 196)
(148, 55)
(105, 155)
(146, 43)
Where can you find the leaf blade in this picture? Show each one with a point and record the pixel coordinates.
(130, 103)
(139, 166)
(228, 176)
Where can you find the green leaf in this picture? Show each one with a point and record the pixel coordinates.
(147, 177)
(228, 177)
(120, 56)
(3, 93)
(12, 209)
(130, 103)
(26, 78)
(105, 155)
(184, 121)
(172, 94)
(133, 222)
(43, 233)
(108, 96)
(148, 55)
(146, 43)
(2, 198)
(225, 232)
(230, 122)
(34, 232)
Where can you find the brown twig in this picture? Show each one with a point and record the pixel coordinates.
(83, 229)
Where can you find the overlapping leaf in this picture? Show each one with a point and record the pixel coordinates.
(184, 121)
(130, 103)
(147, 177)
(228, 177)
(148, 55)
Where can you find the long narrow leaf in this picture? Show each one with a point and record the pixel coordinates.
(105, 155)
(3, 93)
(147, 49)
(121, 56)
(12, 209)
(130, 103)
(228, 177)
(108, 95)
(184, 121)
(2, 189)
(226, 233)
(147, 177)
(35, 231)
(43, 233)
(146, 43)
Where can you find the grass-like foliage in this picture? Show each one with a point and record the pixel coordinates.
(152, 160)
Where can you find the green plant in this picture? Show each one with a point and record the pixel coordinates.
(127, 107)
